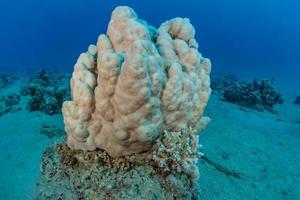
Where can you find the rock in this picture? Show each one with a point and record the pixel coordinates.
(297, 100)
(47, 92)
(260, 95)
(12, 99)
(64, 176)
(9, 103)
(5, 80)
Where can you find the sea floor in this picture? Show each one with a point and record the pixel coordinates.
(248, 154)
(253, 155)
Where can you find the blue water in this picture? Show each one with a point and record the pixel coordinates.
(246, 36)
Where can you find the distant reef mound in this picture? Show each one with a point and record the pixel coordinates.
(134, 118)
(46, 92)
(9, 103)
(5, 80)
(9, 98)
(297, 100)
(258, 94)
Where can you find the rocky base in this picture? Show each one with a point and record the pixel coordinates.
(68, 174)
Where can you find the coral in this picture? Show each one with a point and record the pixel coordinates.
(259, 95)
(135, 83)
(74, 174)
(137, 106)
(9, 103)
(47, 92)
(297, 100)
(179, 152)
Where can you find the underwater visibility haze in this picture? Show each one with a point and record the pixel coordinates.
(153, 99)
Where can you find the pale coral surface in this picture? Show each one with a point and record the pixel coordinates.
(135, 83)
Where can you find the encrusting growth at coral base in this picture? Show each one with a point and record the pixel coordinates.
(75, 174)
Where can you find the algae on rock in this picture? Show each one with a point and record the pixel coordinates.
(72, 175)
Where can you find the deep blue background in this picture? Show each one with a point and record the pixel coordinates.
(249, 36)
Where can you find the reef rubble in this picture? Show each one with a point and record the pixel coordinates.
(75, 174)
(9, 103)
(297, 100)
(5, 80)
(46, 92)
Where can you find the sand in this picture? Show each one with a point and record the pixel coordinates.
(21, 147)
(249, 154)
(261, 147)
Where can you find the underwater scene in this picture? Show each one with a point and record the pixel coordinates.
(196, 99)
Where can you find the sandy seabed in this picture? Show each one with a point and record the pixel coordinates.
(248, 154)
